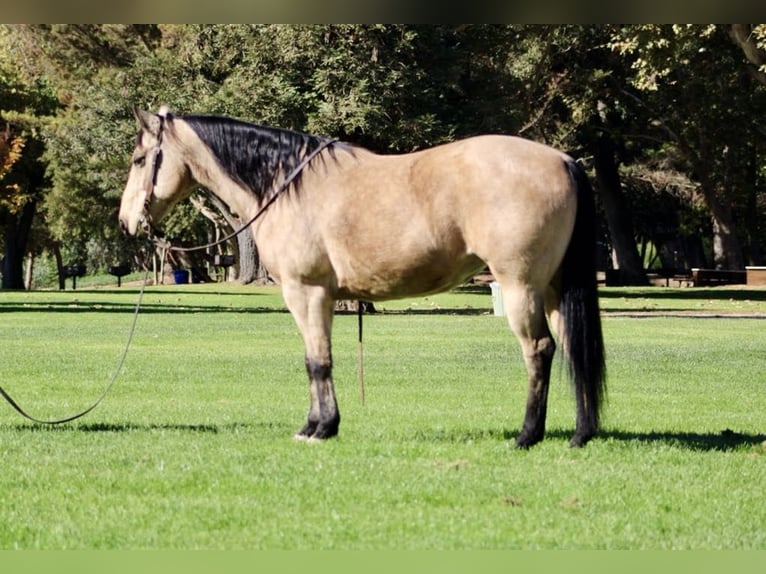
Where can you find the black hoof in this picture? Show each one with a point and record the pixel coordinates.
(526, 440)
(307, 431)
(317, 431)
(325, 431)
(579, 440)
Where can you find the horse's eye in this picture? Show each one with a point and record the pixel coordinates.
(140, 161)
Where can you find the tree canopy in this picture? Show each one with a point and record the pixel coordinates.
(668, 118)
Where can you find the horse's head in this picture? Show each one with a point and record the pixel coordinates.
(158, 177)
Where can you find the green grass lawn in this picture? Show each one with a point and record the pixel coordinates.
(192, 448)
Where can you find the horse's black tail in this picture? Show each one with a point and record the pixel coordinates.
(579, 308)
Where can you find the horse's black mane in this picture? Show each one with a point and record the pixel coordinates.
(251, 154)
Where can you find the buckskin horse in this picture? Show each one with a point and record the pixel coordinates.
(353, 224)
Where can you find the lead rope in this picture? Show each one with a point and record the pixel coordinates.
(113, 378)
(360, 370)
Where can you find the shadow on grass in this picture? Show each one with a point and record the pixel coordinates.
(438, 311)
(651, 299)
(84, 306)
(726, 440)
(151, 427)
(690, 293)
(96, 306)
(88, 301)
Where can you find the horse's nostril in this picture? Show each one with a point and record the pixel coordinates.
(123, 227)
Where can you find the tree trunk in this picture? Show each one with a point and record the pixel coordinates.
(59, 265)
(754, 255)
(17, 232)
(250, 269)
(754, 250)
(248, 262)
(618, 214)
(742, 35)
(30, 272)
(727, 250)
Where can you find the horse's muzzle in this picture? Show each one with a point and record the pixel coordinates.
(143, 227)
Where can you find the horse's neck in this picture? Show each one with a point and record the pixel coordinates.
(207, 172)
(240, 200)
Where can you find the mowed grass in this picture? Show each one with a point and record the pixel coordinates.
(192, 448)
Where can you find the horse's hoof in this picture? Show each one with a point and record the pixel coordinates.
(526, 440)
(306, 432)
(307, 439)
(579, 440)
(322, 436)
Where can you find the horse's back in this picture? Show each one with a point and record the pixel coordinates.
(491, 168)
(462, 177)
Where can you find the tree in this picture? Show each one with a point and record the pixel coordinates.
(702, 101)
(380, 86)
(602, 121)
(751, 38)
(22, 172)
(79, 144)
(615, 97)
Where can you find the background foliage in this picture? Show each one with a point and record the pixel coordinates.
(667, 117)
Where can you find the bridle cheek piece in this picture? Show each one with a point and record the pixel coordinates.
(145, 219)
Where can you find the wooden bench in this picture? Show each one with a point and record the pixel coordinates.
(713, 277)
(667, 274)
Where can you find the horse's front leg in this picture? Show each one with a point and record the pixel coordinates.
(312, 309)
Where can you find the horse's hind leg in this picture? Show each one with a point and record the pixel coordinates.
(525, 310)
(312, 310)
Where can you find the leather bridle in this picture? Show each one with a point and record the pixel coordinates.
(151, 182)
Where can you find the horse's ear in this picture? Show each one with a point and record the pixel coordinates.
(147, 121)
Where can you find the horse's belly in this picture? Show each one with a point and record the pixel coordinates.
(393, 280)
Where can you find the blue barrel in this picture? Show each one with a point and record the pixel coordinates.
(181, 276)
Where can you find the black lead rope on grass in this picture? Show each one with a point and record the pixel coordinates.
(113, 378)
